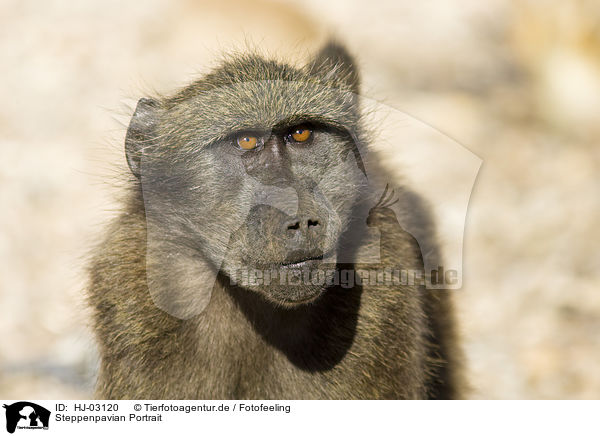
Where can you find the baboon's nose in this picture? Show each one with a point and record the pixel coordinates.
(303, 225)
(304, 233)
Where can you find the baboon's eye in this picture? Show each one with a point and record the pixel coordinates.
(247, 142)
(301, 133)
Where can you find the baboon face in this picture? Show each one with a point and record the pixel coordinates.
(259, 177)
(280, 207)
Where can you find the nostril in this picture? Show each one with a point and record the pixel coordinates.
(302, 225)
(294, 226)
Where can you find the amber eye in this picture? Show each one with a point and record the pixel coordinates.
(247, 142)
(301, 133)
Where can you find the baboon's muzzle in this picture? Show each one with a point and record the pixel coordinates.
(281, 239)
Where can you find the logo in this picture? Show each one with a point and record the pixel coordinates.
(26, 415)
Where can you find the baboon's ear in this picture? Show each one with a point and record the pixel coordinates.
(140, 133)
(333, 60)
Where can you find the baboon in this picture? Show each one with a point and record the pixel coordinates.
(232, 271)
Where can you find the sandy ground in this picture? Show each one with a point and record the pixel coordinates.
(516, 83)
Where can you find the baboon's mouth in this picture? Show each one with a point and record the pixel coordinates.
(301, 262)
(303, 259)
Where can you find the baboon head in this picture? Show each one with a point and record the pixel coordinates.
(252, 171)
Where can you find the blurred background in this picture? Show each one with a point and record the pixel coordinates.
(515, 82)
